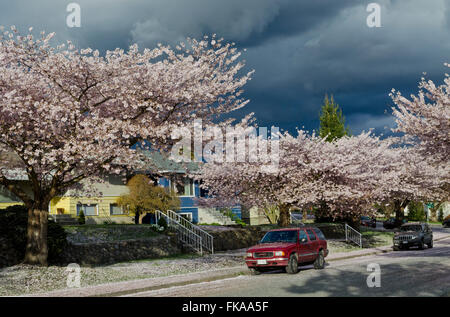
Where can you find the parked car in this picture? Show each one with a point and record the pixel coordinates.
(288, 248)
(368, 222)
(446, 222)
(413, 234)
(392, 223)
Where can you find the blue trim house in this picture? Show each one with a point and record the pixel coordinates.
(164, 172)
(173, 175)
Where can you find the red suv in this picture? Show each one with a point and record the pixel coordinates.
(288, 248)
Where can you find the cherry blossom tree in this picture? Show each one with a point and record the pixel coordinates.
(68, 115)
(348, 175)
(425, 118)
(425, 121)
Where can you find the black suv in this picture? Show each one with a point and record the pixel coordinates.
(446, 223)
(413, 234)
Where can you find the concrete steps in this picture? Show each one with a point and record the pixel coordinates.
(211, 215)
(64, 219)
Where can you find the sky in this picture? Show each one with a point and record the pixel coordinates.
(300, 50)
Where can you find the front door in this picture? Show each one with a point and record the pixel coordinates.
(304, 244)
(313, 244)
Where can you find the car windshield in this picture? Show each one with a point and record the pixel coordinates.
(280, 236)
(411, 228)
(365, 218)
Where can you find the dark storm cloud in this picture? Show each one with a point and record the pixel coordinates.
(300, 50)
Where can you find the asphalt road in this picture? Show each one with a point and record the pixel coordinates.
(404, 273)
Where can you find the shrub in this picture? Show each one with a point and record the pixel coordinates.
(416, 211)
(440, 215)
(229, 213)
(81, 218)
(57, 241)
(157, 228)
(447, 218)
(162, 223)
(13, 227)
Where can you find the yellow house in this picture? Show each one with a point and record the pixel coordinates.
(96, 209)
(104, 208)
(100, 209)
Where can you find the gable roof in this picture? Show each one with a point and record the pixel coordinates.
(164, 165)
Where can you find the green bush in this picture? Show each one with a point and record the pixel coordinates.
(56, 241)
(416, 211)
(13, 227)
(81, 218)
(209, 224)
(162, 223)
(229, 213)
(440, 215)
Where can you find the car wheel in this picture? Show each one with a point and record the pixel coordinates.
(430, 245)
(421, 245)
(319, 263)
(255, 271)
(292, 266)
(396, 248)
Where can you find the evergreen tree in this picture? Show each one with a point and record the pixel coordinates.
(332, 127)
(332, 121)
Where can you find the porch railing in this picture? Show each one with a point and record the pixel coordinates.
(187, 232)
(353, 235)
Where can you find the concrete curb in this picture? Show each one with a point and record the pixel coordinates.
(133, 286)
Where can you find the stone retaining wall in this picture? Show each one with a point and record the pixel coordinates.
(236, 238)
(119, 251)
(331, 231)
(240, 238)
(8, 255)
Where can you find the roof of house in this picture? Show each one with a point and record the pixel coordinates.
(158, 162)
(163, 164)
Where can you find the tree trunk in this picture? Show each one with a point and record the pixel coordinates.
(399, 212)
(354, 222)
(434, 210)
(304, 215)
(36, 251)
(141, 216)
(399, 209)
(285, 218)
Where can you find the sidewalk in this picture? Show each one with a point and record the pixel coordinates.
(134, 286)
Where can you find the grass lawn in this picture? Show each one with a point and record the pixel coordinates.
(373, 239)
(181, 256)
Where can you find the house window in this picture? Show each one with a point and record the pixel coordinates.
(183, 187)
(88, 209)
(115, 209)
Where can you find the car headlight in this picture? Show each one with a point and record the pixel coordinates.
(279, 253)
(249, 254)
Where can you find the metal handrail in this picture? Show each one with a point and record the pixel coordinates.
(186, 236)
(207, 239)
(353, 235)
